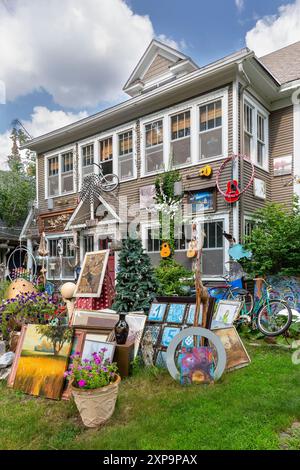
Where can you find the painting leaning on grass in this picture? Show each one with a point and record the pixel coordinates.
(43, 360)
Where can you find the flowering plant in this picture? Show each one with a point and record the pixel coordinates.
(90, 374)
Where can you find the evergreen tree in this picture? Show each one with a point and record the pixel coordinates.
(136, 285)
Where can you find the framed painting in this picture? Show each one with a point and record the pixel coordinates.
(176, 313)
(203, 201)
(196, 366)
(169, 332)
(95, 345)
(155, 332)
(157, 312)
(226, 313)
(259, 189)
(147, 196)
(283, 165)
(191, 314)
(92, 274)
(12, 375)
(136, 322)
(94, 318)
(43, 360)
(236, 353)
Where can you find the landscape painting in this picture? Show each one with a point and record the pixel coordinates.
(43, 360)
(92, 274)
(236, 353)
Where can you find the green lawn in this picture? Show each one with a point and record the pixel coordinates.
(247, 409)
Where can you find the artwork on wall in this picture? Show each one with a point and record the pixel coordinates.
(203, 201)
(157, 312)
(136, 322)
(176, 313)
(236, 353)
(196, 366)
(283, 165)
(43, 360)
(92, 274)
(191, 314)
(259, 188)
(147, 195)
(226, 313)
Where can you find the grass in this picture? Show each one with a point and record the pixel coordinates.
(248, 409)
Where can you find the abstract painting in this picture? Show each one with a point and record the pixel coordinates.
(196, 366)
(169, 332)
(176, 313)
(236, 353)
(92, 274)
(43, 360)
(155, 330)
(157, 312)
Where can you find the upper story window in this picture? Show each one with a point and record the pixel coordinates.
(255, 134)
(180, 138)
(87, 159)
(261, 144)
(53, 176)
(125, 154)
(154, 146)
(248, 129)
(106, 155)
(67, 172)
(211, 129)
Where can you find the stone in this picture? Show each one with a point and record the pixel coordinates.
(6, 360)
(2, 348)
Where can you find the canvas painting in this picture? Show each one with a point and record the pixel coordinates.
(236, 353)
(155, 330)
(283, 165)
(203, 201)
(147, 195)
(226, 313)
(157, 312)
(43, 360)
(196, 366)
(136, 322)
(176, 313)
(169, 333)
(92, 274)
(95, 345)
(191, 314)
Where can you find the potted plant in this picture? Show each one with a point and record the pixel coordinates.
(94, 385)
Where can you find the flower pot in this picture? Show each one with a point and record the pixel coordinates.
(96, 406)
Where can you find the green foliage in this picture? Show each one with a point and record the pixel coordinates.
(274, 242)
(3, 288)
(17, 191)
(91, 374)
(136, 285)
(169, 274)
(58, 335)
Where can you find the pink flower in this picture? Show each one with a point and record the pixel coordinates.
(81, 383)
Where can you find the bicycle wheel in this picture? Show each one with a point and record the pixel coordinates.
(109, 182)
(274, 318)
(244, 296)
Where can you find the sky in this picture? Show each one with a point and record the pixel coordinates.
(62, 60)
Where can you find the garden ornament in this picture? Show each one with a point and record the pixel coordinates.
(147, 349)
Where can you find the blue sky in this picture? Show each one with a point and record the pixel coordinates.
(39, 74)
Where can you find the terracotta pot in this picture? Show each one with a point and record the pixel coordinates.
(96, 406)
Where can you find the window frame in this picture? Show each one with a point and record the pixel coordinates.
(58, 153)
(133, 153)
(213, 129)
(57, 237)
(257, 110)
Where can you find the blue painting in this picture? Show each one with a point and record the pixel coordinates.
(168, 334)
(202, 201)
(176, 313)
(154, 330)
(161, 359)
(157, 312)
(191, 315)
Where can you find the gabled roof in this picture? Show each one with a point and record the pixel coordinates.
(158, 64)
(284, 63)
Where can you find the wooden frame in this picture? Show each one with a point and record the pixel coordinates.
(94, 319)
(12, 375)
(230, 304)
(233, 346)
(81, 289)
(211, 189)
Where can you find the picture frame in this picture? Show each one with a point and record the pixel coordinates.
(147, 196)
(226, 313)
(155, 332)
(92, 274)
(260, 189)
(12, 375)
(283, 165)
(190, 315)
(94, 318)
(161, 358)
(157, 312)
(176, 313)
(136, 322)
(203, 201)
(168, 333)
(236, 353)
(95, 345)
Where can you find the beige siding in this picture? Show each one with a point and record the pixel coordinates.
(159, 66)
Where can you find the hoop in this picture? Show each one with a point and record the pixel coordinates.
(21, 248)
(228, 159)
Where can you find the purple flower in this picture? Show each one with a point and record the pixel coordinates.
(86, 361)
(66, 374)
(81, 383)
(104, 350)
(104, 369)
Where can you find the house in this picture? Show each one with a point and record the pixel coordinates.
(199, 115)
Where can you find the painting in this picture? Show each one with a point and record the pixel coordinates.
(94, 345)
(157, 312)
(203, 201)
(136, 322)
(12, 375)
(169, 332)
(176, 313)
(236, 353)
(155, 331)
(147, 194)
(191, 314)
(92, 274)
(226, 313)
(161, 359)
(283, 165)
(196, 366)
(43, 360)
(259, 188)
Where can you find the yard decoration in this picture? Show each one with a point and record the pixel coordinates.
(67, 291)
(121, 330)
(20, 287)
(15, 259)
(95, 385)
(165, 250)
(233, 192)
(148, 349)
(43, 252)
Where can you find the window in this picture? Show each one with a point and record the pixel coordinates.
(53, 187)
(87, 160)
(154, 146)
(260, 139)
(67, 172)
(106, 155)
(125, 155)
(180, 138)
(182, 236)
(88, 243)
(248, 227)
(248, 129)
(153, 240)
(213, 248)
(211, 130)
(61, 258)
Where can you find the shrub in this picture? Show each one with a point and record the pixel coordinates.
(172, 277)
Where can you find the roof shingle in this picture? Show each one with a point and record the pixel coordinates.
(284, 64)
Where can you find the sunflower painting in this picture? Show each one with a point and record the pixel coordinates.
(92, 274)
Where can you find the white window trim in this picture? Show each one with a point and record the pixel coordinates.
(258, 109)
(58, 237)
(296, 159)
(192, 106)
(116, 152)
(58, 153)
(80, 158)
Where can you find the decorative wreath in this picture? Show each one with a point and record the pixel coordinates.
(231, 159)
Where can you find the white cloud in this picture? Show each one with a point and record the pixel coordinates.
(275, 31)
(41, 121)
(79, 51)
(240, 4)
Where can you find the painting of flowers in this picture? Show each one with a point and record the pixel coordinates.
(43, 360)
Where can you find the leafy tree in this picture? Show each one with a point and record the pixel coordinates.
(275, 241)
(57, 335)
(17, 191)
(136, 285)
(173, 277)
